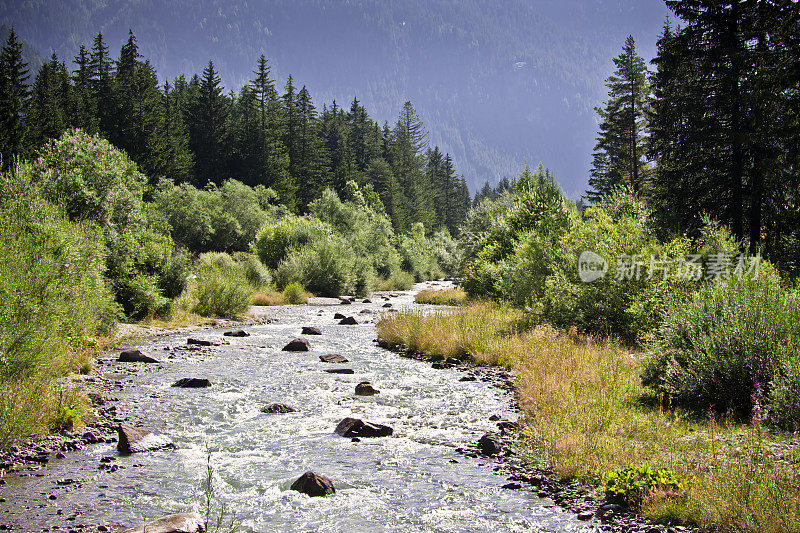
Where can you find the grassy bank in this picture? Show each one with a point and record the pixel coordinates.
(587, 416)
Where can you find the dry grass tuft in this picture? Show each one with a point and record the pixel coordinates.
(455, 296)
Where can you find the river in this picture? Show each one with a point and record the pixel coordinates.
(415, 480)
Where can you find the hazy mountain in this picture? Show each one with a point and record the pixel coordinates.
(497, 83)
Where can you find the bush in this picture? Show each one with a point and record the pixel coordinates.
(93, 181)
(220, 219)
(728, 343)
(416, 252)
(221, 291)
(255, 272)
(509, 245)
(295, 293)
(632, 484)
(398, 281)
(278, 239)
(325, 267)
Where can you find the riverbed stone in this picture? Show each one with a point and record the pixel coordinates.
(278, 408)
(366, 301)
(333, 358)
(135, 440)
(344, 300)
(490, 444)
(200, 342)
(236, 333)
(338, 316)
(314, 485)
(175, 523)
(135, 356)
(365, 388)
(192, 383)
(297, 345)
(355, 427)
(348, 321)
(340, 371)
(387, 305)
(310, 330)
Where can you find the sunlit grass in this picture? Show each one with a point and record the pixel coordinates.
(454, 296)
(585, 413)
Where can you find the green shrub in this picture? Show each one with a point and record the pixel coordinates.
(295, 293)
(509, 244)
(783, 403)
(397, 281)
(728, 343)
(416, 252)
(222, 260)
(172, 280)
(255, 272)
(324, 267)
(630, 485)
(221, 291)
(277, 239)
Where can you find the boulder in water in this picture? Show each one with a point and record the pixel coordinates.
(192, 383)
(348, 321)
(490, 444)
(200, 342)
(309, 330)
(297, 345)
(365, 388)
(340, 371)
(135, 440)
(314, 484)
(355, 427)
(277, 408)
(175, 523)
(135, 356)
(387, 305)
(338, 316)
(333, 358)
(236, 333)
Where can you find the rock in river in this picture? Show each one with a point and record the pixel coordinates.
(355, 427)
(175, 523)
(338, 316)
(200, 342)
(192, 383)
(490, 444)
(309, 330)
(365, 388)
(297, 345)
(277, 408)
(348, 321)
(133, 440)
(333, 358)
(135, 356)
(340, 371)
(236, 333)
(314, 484)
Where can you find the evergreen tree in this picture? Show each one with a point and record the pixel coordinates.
(409, 140)
(102, 70)
(619, 157)
(83, 112)
(309, 150)
(14, 77)
(48, 105)
(207, 123)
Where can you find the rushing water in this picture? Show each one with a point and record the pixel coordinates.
(412, 481)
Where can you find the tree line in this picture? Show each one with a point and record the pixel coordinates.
(714, 129)
(191, 131)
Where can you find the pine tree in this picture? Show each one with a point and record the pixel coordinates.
(619, 157)
(48, 103)
(102, 69)
(409, 143)
(309, 150)
(83, 113)
(14, 77)
(207, 123)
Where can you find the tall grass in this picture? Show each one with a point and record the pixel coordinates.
(453, 296)
(585, 413)
(221, 291)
